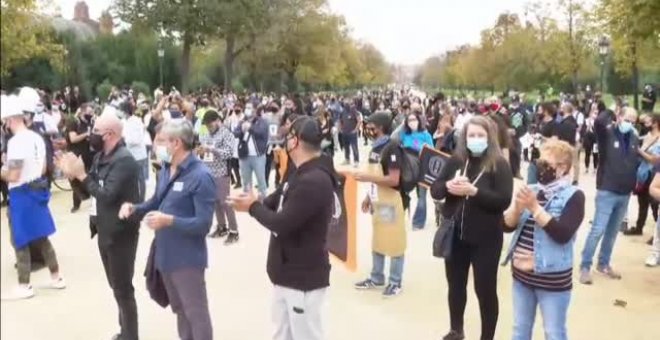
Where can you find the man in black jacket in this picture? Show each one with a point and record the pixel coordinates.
(297, 215)
(111, 181)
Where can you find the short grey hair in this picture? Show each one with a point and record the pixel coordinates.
(181, 129)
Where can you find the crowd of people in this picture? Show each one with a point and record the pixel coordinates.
(201, 144)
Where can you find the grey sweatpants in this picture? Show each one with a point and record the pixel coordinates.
(223, 213)
(186, 289)
(297, 314)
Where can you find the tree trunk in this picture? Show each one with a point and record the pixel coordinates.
(635, 75)
(185, 62)
(229, 61)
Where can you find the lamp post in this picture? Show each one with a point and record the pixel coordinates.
(161, 55)
(603, 51)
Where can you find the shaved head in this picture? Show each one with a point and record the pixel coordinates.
(109, 122)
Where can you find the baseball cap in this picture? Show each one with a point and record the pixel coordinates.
(29, 99)
(307, 129)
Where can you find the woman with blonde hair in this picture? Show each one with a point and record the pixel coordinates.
(545, 218)
(477, 185)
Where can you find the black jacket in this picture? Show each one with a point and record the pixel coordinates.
(297, 215)
(566, 130)
(479, 219)
(619, 158)
(118, 174)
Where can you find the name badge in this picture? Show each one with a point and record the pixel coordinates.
(178, 186)
(616, 145)
(92, 205)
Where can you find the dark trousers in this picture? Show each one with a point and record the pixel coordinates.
(234, 171)
(269, 167)
(588, 152)
(484, 261)
(514, 156)
(24, 259)
(4, 191)
(186, 289)
(118, 259)
(351, 143)
(645, 200)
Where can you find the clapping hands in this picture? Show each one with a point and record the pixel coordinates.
(461, 186)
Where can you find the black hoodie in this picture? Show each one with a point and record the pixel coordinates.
(298, 214)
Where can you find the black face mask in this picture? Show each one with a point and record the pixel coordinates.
(546, 174)
(96, 142)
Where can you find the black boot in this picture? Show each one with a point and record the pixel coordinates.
(634, 231)
(454, 335)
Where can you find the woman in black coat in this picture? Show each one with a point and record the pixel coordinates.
(476, 184)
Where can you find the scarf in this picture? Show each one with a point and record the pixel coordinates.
(551, 189)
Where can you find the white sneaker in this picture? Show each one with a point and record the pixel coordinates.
(653, 260)
(58, 283)
(21, 292)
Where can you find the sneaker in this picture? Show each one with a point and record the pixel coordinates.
(231, 239)
(346, 163)
(74, 210)
(392, 290)
(454, 335)
(356, 165)
(650, 241)
(58, 283)
(368, 284)
(238, 186)
(21, 292)
(609, 272)
(220, 231)
(585, 277)
(653, 260)
(417, 228)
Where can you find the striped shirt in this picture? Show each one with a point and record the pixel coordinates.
(562, 228)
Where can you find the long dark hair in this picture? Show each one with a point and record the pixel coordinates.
(420, 127)
(493, 152)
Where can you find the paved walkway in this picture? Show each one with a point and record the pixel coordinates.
(240, 293)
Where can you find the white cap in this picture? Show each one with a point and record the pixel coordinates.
(29, 99)
(10, 107)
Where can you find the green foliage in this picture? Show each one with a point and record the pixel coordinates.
(24, 35)
(141, 87)
(104, 89)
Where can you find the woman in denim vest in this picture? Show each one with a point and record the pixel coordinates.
(545, 218)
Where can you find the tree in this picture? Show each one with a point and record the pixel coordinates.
(24, 35)
(186, 20)
(632, 25)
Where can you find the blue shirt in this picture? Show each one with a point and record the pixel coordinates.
(190, 197)
(416, 140)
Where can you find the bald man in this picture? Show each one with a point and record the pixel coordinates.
(112, 180)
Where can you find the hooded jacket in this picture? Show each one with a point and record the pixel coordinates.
(298, 215)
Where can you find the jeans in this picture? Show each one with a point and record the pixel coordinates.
(419, 217)
(610, 210)
(553, 305)
(256, 165)
(396, 269)
(531, 173)
(351, 143)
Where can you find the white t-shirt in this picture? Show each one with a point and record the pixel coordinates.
(29, 147)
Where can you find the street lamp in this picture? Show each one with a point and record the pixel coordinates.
(161, 55)
(603, 50)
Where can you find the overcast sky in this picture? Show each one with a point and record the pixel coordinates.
(406, 31)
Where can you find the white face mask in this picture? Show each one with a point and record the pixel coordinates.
(413, 125)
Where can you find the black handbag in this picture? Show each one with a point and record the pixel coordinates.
(444, 237)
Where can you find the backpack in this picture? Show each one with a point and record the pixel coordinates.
(410, 170)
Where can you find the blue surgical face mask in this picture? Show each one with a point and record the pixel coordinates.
(477, 145)
(625, 127)
(162, 154)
